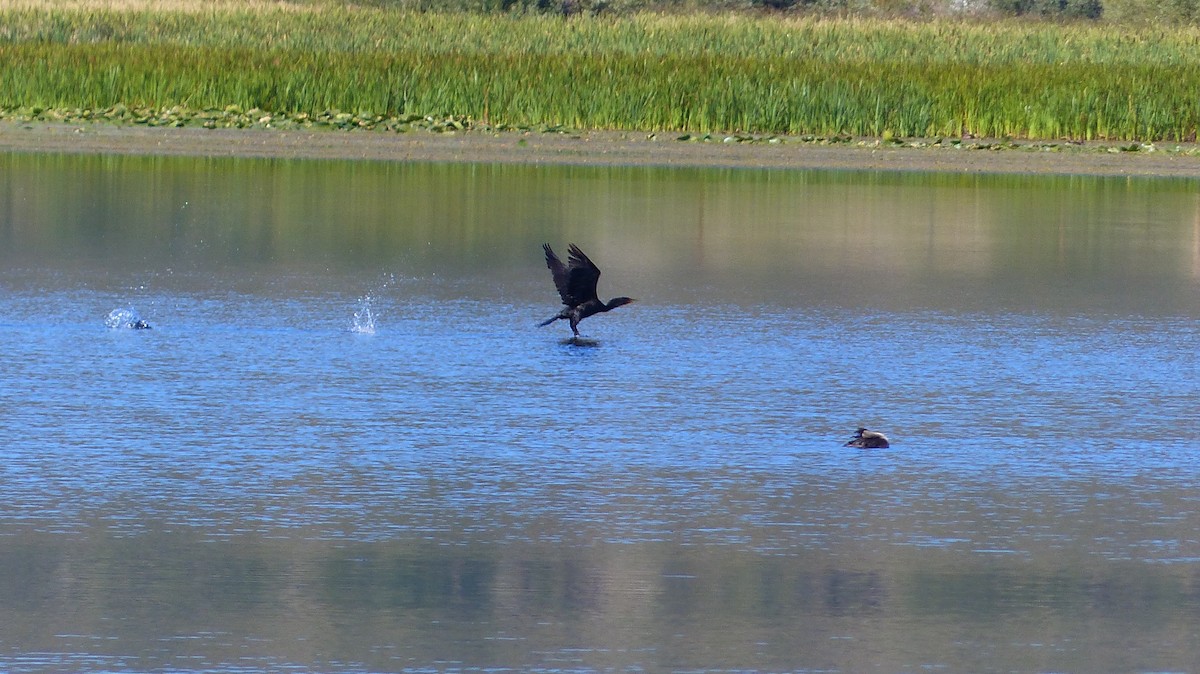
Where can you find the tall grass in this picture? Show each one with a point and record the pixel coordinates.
(646, 72)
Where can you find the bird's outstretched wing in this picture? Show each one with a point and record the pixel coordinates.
(576, 280)
(582, 277)
(561, 276)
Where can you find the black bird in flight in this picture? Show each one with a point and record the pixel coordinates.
(576, 283)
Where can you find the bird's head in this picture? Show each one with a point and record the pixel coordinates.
(618, 302)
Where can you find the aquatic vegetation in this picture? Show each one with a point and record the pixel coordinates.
(353, 67)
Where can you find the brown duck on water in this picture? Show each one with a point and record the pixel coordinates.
(865, 439)
(576, 283)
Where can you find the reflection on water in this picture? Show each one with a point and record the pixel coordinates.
(253, 485)
(891, 241)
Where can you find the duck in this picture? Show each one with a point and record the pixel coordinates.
(865, 439)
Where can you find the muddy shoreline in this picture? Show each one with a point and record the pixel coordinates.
(603, 148)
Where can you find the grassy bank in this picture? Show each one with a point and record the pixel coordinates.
(193, 63)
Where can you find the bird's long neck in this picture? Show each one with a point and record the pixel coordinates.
(615, 302)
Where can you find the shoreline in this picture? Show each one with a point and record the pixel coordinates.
(603, 148)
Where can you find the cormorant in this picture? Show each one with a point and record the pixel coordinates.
(576, 283)
(865, 439)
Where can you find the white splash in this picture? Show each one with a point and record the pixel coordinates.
(363, 322)
(121, 318)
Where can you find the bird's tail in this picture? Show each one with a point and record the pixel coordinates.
(548, 321)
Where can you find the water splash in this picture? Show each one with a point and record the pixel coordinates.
(125, 319)
(363, 322)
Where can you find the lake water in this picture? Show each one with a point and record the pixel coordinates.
(346, 446)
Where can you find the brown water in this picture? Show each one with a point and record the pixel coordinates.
(345, 445)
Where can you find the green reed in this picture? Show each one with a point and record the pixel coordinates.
(642, 72)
